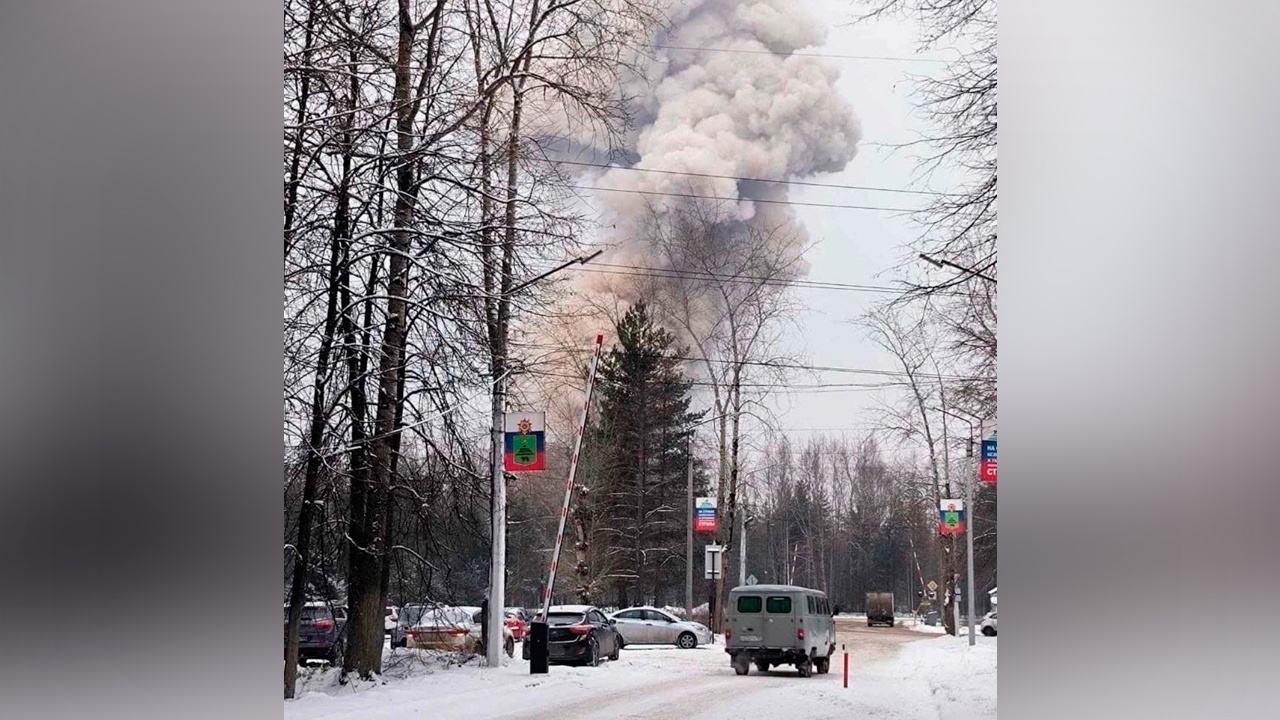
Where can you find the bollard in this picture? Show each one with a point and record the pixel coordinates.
(537, 642)
(846, 666)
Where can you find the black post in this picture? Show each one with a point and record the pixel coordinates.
(537, 643)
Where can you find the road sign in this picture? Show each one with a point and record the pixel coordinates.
(933, 586)
(712, 562)
(987, 467)
(524, 442)
(951, 517)
(751, 580)
(704, 515)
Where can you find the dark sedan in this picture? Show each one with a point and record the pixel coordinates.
(322, 633)
(579, 635)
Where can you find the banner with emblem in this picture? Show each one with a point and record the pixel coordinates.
(524, 442)
(951, 519)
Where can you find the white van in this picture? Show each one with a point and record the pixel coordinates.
(770, 625)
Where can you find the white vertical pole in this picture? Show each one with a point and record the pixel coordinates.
(568, 487)
(688, 570)
(968, 502)
(498, 533)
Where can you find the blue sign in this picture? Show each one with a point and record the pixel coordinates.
(988, 449)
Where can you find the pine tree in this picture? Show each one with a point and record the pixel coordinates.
(642, 432)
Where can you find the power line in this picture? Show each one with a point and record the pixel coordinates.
(806, 183)
(832, 56)
(758, 200)
(780, 365)
(637, 271)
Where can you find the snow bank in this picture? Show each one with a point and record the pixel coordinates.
(928, 679)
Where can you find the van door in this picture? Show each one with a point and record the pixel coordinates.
(780, 620)
(747, 621)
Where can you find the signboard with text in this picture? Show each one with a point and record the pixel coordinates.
(987, 467)
(704, 515)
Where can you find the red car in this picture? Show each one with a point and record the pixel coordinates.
(517, 622)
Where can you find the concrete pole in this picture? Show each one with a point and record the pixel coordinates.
(688, 565)
(742, 550)
(498, 558)
(968, 503)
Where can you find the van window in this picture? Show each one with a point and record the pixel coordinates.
(748, 603)
(778, 605)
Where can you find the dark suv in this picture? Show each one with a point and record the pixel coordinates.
(322, 634)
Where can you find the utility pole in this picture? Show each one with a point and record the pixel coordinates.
(688, 569)
(492, 631)
(688, 565)
(741, 548)
(969, 476)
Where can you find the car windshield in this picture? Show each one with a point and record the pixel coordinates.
(555, 619)
(316, 613)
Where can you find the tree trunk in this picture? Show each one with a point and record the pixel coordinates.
(315, 441)
(368, 552)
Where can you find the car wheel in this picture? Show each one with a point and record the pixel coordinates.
(593, 652)
(686, 641)
(510, 646)
(617, 648)
(988, 631)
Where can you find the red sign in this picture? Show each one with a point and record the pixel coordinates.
(987, 472)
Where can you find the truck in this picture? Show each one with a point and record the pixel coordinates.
(880, 609)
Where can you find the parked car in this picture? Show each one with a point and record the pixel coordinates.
(508, 636)
(651, 626)
(988, 625)
(579, 635)
(772, 625)
(517, 621)
(439, 627)
(389, 618)
(322, 632)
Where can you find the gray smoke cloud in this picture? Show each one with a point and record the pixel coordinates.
(759, 111)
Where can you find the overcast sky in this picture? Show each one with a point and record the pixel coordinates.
(857, 246)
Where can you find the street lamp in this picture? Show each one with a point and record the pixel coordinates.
(496, 600)
(947, 263)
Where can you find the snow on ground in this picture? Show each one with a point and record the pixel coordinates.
(930, 679)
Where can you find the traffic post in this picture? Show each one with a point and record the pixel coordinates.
(846, 665)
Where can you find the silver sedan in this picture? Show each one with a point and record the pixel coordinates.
(651, 626)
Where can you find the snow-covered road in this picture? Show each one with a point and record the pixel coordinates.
(895, 674)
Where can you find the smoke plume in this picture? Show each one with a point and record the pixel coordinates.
(725, 96)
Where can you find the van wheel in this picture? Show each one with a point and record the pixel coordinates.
(823, 665)
(741, 665)
(805, 668)
(762, 667)
(686, 641)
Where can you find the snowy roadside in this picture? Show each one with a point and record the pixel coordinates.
(930, 679)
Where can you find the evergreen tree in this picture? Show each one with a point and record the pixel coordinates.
(641, 433)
